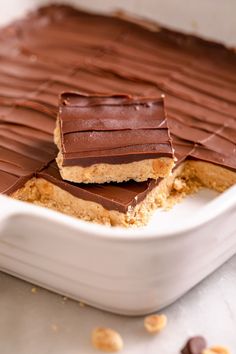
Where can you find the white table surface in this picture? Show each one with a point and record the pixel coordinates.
(43, 322)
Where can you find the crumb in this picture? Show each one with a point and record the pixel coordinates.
(181, 189)
(194, 25)
(179, 184)
(64, 299)
(82, 304)
(34, 290)
(155, 323)
(107, 340)
(54, 327)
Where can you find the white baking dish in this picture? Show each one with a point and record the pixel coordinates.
(124, 271)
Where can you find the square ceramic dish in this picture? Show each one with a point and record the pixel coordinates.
(129, 272)
(122, 270)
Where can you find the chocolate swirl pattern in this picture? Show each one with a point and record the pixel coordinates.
(58, 48)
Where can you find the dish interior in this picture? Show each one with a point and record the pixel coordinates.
(181, 212)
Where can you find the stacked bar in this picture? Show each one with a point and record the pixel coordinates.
(114, 138)
(59, 49)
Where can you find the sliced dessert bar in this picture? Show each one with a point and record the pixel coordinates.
(112, 138)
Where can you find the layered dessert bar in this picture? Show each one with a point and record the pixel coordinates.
(93, 53)
(112, 138)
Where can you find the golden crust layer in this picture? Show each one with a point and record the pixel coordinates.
(103, 172)
(210, 176)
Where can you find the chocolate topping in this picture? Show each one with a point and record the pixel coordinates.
(113, 196)
(112, 129)
(58, 49)
(194, 345)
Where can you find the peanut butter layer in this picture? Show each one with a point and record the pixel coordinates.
(104, 138)
(138, 171)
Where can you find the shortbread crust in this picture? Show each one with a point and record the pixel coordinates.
(138, 171)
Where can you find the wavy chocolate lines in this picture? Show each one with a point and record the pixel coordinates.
(221, 130)
(195, 96)
(30, 139)
(205, 76)
(25, 138)
(25, 147)
(204, 87)
(29, 117)
(92, 79)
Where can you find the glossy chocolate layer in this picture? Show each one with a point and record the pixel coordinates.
(25, 142)
(58, 48)
(112, 129)
(114, 196)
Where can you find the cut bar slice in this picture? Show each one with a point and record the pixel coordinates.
(112, 138)
(121, 204)
(116, 204)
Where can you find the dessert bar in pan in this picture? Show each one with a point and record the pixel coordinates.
(105, 138)
(93, 53)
